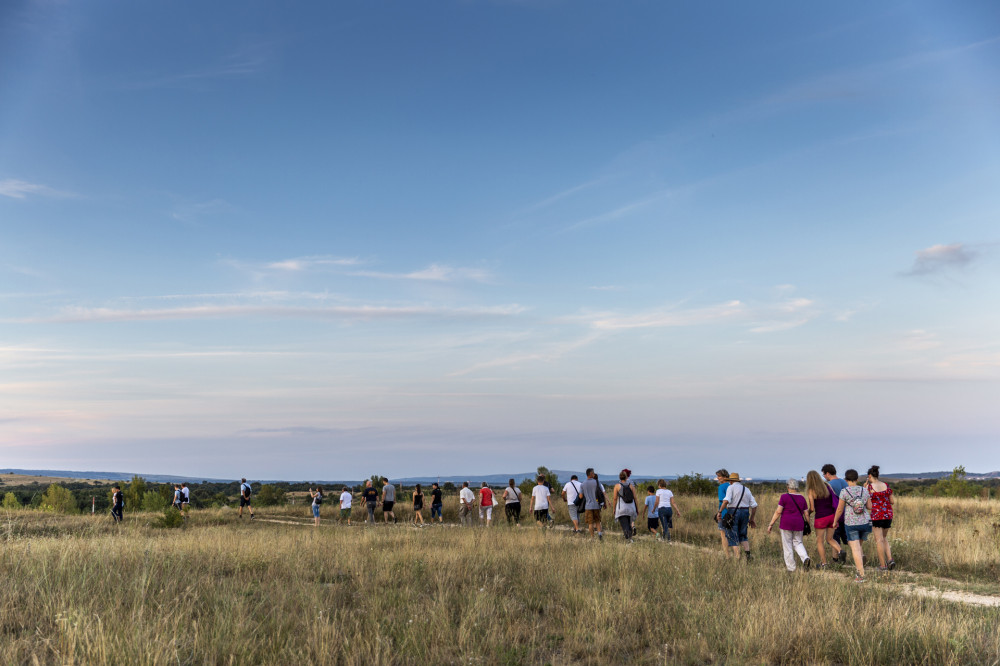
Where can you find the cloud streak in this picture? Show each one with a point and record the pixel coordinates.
(21, 189)
(433, 273)
(360, 312)
(940, 258)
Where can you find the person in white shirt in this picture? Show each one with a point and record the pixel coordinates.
(346, 499)
(570, 493)
(466, 500)
(666, 510)
(540, 502)
(740, 503)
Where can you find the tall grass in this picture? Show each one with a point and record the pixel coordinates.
(78, 590)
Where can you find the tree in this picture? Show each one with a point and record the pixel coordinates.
(693, 484)
(551, 477)
(270, 495)
(59, 500)
(10, 501)
(955, 485)
(377, 483)
(134, 492)
(448, 487)
(153, 501)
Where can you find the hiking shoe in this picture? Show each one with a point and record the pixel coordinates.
(842, 557)
(892, 565)
(882, 569)
(600, 536)
(822, 565)
(859, 579)
(806, 563)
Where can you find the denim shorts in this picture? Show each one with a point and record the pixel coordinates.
(858, 532)
(315, 511)
(435, 510)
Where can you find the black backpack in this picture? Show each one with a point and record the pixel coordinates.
(626, 494)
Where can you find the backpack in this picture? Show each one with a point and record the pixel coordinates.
(246, 490)
(857, 504)
(626, 493)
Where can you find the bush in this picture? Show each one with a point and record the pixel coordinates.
(10, 501)
(59, 500)
(955, 485)
(270, 495)
(153, 501)
(693, 484)
(171, 519)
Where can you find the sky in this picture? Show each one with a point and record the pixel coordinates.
(326, 240)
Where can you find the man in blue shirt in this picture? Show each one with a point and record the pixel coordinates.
(839, 535)
(722, 478)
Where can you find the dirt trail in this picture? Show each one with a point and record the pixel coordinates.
(910, 589)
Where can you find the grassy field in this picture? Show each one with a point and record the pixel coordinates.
(81, 590)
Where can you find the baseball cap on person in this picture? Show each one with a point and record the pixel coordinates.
(733, 476)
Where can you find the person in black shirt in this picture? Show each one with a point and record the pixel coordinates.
(436, 503)
(418, 505)
(370, 497)
(117, 504)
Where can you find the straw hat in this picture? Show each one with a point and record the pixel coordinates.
(733, 476)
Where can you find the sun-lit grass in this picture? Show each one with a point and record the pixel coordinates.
(81, 590)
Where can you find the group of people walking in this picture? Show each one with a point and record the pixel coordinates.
(844, 514)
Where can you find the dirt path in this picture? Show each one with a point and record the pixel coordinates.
(910, 589)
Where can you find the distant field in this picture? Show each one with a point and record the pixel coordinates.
(79, 589)
(24, 480)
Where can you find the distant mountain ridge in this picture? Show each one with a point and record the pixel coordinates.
(457, 479)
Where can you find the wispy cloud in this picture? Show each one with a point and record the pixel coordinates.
(360, 312)
(547, 354)
(569, 192)
(187, 212)
(620, 212)
(788, 314)
(239, 64)
(433, 273)
(667, 318)
(938, 258)
(300, 264)
(22, 189)
(919, 340)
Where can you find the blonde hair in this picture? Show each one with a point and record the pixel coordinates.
(816, 485)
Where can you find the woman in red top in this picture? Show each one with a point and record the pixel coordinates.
(486, 503)
(882, 502)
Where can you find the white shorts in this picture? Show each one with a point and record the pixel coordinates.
(488, 510)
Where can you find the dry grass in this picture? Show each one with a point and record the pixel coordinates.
(80, 590)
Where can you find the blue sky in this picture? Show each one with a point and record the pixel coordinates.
(326, 239)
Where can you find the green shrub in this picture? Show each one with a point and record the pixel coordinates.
(153, 501)
(270, 495)
(10, 501)
(171, 519)
(59, 500)
(134, 492)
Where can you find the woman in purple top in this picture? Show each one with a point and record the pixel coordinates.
(793, 510)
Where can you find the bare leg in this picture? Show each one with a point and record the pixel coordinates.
(857, 554)
(821, 536)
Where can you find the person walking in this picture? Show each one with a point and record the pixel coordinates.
(652, 517)
(185, 500)
(666, 510)
(388, 501)
(793, 512)
(571, 495)
(540, 502)
(512, 503)
(722, 478)
(436, 503)
(117, 504)
(486, 503)
(823, 507)
(418, 505)
(882, 513)
(245, 492)
(370, 497)
(317, 498)
(177, 498)
(742, 507)
(593, 500)
(855, 506)
(346, 499)
(623, 500)
(838, 485)
(466, 500)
